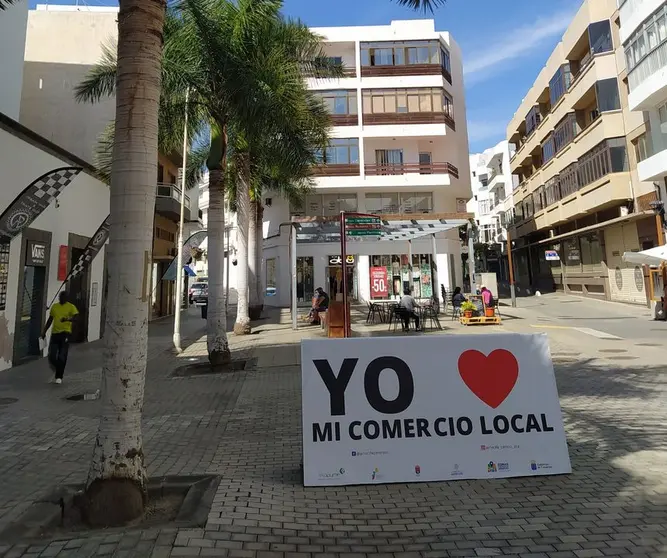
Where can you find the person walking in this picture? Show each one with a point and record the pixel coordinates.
(61, 315)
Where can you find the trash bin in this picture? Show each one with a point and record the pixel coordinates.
(204, 311)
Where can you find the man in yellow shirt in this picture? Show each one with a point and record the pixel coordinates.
(62, 315)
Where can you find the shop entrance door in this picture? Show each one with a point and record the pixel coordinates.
(30, 310)
(78, 295)
(335, 283)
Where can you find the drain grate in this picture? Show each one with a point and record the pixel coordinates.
(8, 400)
(612, 351)
(205, 368)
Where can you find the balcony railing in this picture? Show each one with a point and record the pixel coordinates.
(376, 169)
(404, 70)
(173, 191)
(347, 72)
(337, 169)
(345, 119)
(410, 118)
(651, 64)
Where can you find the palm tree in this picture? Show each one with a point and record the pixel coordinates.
(116, 488)
(424, 5)
(4, 4)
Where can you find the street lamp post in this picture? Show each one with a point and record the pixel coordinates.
(179, 255)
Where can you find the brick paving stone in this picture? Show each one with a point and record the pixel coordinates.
(246, 427)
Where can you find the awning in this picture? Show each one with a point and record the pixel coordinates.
(652, 257)
(393, 227)
(189, 271)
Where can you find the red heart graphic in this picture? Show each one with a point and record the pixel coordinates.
(491, 378)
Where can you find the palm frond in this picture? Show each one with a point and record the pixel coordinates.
(100, 81)
(423, 5)
(4, 4)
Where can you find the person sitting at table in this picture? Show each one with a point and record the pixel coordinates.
(407, 307)
(320, 304)
(458, 298)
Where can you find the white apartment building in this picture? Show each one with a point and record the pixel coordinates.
(492, 203)
(62, 44)
(643, 33)
(399, 149)
(34, 263)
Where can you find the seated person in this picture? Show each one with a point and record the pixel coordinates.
(320, 304)
(407, 307)
(458, 298)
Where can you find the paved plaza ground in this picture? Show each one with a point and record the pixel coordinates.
(611, 369)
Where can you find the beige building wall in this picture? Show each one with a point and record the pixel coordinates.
(62, 44)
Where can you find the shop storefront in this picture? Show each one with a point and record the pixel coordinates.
(334, 277)
(391, 275)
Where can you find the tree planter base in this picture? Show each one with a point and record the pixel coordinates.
(172, 501)
(242, 328)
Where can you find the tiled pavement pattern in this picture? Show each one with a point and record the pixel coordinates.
(246, 427)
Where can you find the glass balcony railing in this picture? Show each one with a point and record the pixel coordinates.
(173, 191)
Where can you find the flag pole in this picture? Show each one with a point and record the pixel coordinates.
(179, 256)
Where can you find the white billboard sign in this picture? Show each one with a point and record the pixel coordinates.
(430, 408)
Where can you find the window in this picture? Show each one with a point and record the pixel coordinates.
(271, 273)
(560, 83)
(484, 207)
(599, 36)
(339, 102)
(446, 63)
(318, 205)
(569, 181)
(533, 119)
(565, 132)
(4, 273)
(409, 203)
(402, 53)
(642, 148)
(548, 149)
(551, 191)
(607, 94)
(538, 199)
(342, 151)
(392, 101)
(389, 156)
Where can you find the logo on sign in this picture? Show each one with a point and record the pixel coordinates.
(337, 260)
(332, 475)
(503, 466)
(456, 472)
(375, 474)
(418, 470)
(491, 467)
(37, 252)
(535, 466)
(18, 220)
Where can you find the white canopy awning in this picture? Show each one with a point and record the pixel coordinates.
(653, 256)
(393, 227)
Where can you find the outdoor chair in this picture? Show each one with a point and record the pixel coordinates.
(395, 317)
(430, 314)
(373, 311)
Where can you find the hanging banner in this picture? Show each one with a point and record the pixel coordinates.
(30, 203)
(189, 248)
(437, 408)
(379, 284)
(89, 253)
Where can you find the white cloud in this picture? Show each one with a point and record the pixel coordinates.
(515, 44)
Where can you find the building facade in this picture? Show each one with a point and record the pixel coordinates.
(62, 44)
(399, 147)
(644, 36)
(492, 203)
(35, 262)
(579, 194)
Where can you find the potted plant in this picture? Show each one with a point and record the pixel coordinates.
(489, 312)
(468, 308)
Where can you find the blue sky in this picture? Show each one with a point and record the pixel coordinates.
(505, 44)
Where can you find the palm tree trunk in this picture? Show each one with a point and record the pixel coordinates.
(242, 325)
(254, 308)
(216, 324)
(116, 485)
(260, 253)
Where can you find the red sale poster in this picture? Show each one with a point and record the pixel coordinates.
(379, 284)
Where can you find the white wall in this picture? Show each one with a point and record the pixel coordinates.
(12, 43)
(82, 207)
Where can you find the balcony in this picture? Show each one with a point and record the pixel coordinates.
(410, 118)
(654, 168)
(345, 119)
(337, 169)
(647, 80)
(496, 180)
(405, 58)
(375, 169)
(168, 202)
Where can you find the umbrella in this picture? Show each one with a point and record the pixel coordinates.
(653, 256)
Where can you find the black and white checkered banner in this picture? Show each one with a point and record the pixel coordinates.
(89, 252)
(30, 203)
(189, 248)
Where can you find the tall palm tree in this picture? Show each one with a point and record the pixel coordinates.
(4, 4)
(116, 488)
